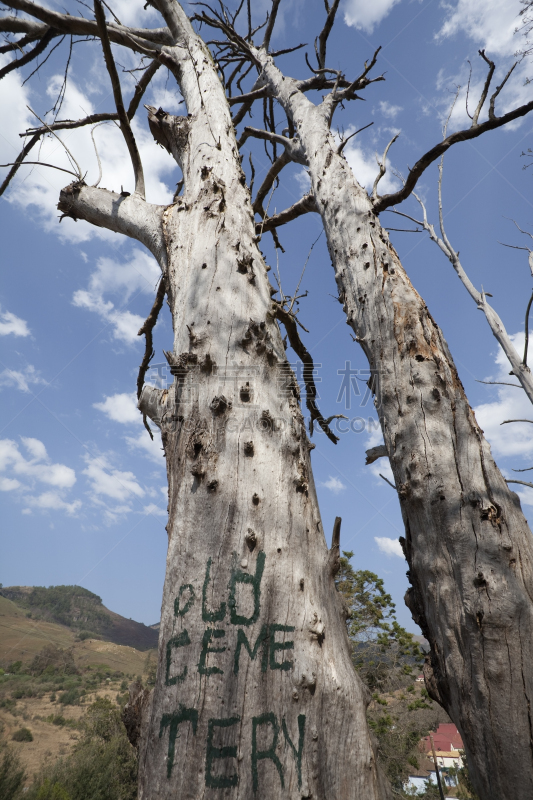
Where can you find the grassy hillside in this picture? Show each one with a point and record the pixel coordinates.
(49, 678)
(81, 611)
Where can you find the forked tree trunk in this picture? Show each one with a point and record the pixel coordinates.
(256, 694)
(468, 545)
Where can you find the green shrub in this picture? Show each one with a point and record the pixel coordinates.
(69, 698)
(12, 775)
(102, 766)
(23, 735)
(52, 791)
(15, 667)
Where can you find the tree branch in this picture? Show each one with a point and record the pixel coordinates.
(125, 126)
(140, 39)
(39, 48)
(484, 93)
(297, 345)
(382, 167)
(428, 158)
(149, 353)
(122, 213)
(303, 206)
(326, 30)
(19, 161)
(269, 179)
(292, 146)
(524, 483)
(270, 24)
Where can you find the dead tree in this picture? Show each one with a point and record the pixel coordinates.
(255, 691)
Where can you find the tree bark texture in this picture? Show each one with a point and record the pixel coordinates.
(467, 542)
(256, 694)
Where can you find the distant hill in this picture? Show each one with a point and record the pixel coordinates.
(83, 612)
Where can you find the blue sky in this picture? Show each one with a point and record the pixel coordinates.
(83, 489)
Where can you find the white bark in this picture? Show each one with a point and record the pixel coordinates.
(467, 543)
(256, 693)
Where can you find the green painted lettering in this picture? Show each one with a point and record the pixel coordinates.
(261, 640)
(257, 755)
(180, 612)
(238, 576)
(212, 753)
(181, 640)
(297, 752)
(274, 646)
(173, 721)
(210, 616)
(209, 635)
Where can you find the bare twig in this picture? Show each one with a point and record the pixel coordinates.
(125, 126)
(61, 142)
(39, 48)
(147, 329)
(303, 206)
(18, 162)
(516, 420)
(523, 483)
(382, 167)
(500, 383)
(345, 141)
(303, 271)
(326, 30)
(290, 324)
(484, 93)
(526, 331)
(387, 481)
(270, 24)
(43, 164)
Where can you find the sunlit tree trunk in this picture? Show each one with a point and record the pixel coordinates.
(255, 693)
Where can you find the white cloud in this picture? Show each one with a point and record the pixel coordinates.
(110, 482)
(10, 323)
(389, 110)
(35, 190)
(365, 168)
(156, 510)
(303, 180)
(515, 439)
(335, 485)
(122, 279)
(9, 484)
(492, 23)
(38, 467)
(52, 501)
(491, 26)
(365, 15)
(150, 448)
(391, 547)
(20, 379)
(120, 408)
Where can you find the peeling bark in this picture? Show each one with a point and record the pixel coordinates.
(467, 542)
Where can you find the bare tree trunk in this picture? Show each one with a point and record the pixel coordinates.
(467, 543)
(256, 693)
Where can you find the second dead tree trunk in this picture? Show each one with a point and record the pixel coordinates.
(468, 545)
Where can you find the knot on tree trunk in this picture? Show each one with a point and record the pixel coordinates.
(132, 714)
(169, 131)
